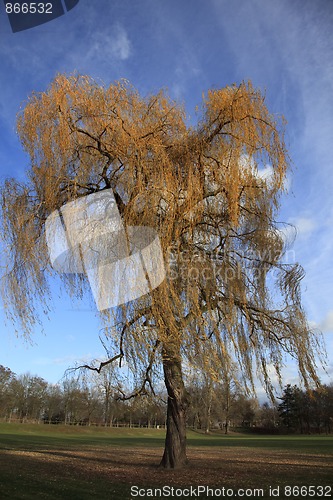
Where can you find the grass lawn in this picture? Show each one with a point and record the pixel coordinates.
(67, 462)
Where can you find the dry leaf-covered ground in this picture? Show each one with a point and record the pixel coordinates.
(229, 466)
(81, 463)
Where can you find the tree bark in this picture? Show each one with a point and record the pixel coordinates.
(209, 407)
(174, 456)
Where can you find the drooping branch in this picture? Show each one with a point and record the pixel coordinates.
(146, 380)
(102, 364)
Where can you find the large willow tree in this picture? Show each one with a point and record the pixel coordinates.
(227, 294)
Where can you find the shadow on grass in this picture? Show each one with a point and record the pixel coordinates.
(26, 477)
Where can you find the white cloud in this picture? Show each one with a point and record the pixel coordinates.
(185, 64)
(326, 325)
(289, 374)
(66, 361)
(110, 43)
(304, 225)
(187, 68)
(266, 173)
(121, 44)
(114, 45)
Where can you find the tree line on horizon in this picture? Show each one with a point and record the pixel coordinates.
(93, 399)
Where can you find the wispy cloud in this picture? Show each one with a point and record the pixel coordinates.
(65, 361)
(305, 226)
(111, 45)
(187, 68)
(326, 324)
(299, 77)
(289, 51)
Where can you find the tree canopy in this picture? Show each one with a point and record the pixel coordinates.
(228, 295)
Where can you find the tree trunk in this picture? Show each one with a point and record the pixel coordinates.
(175, 442)
(209, 407)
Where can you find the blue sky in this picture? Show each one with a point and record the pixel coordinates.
(187, 46)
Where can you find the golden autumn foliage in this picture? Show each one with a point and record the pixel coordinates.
(228, 295)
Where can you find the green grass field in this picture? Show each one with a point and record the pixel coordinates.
(68, 462)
